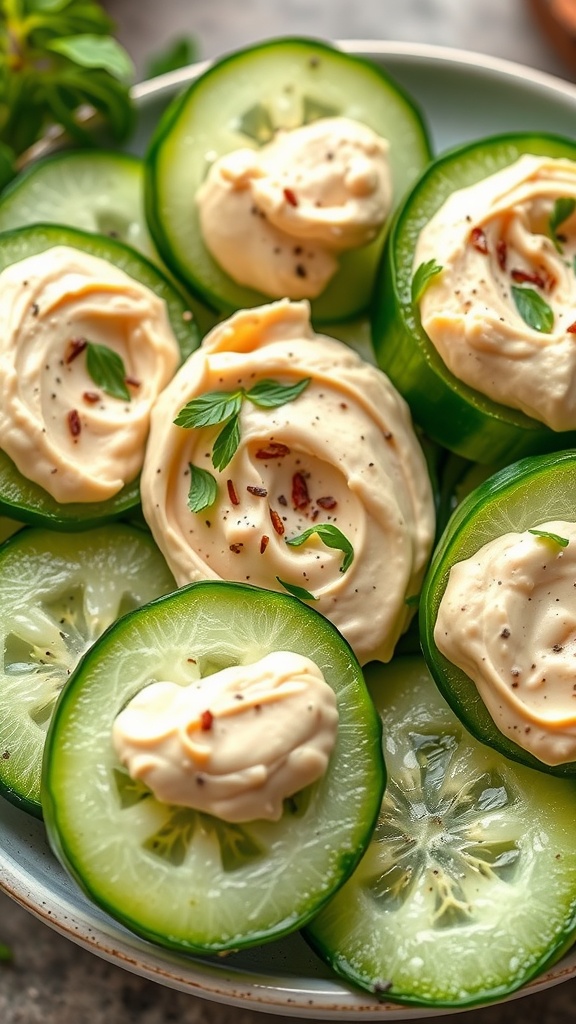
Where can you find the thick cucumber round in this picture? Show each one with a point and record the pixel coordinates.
(58, 592)
(449, 411)
(468, 888)
(519, 497)
(184, 879)
(94, 190)
(20, 498)
(240, 102)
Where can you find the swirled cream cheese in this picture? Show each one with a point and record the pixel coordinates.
(236, 744)
(59, 426)
(508, 620)
(275, 218)
(512, 231)
(343, 453)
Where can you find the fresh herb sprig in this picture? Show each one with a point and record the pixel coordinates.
(563, 209)
(56, 58)
(332, 537)
(533, 309)
(215, 407)
(554, 538)
(107, 370)
(422, 278)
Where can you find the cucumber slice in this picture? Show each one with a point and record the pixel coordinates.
(468, 888)
(516, 498)
(240, 101)
(183, 879)
(58, 592)
(95, 190)
(449, 411)
(20, 498)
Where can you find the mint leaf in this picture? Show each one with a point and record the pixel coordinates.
(533, 309)
(563, 542)
(211, 408)
(177, 54)
(226, 444)
(270, 394)
(92, 51)
(563, 209)
(332, 537)
(203, 489)
(422, 278)
(107, 370)
(299, 592)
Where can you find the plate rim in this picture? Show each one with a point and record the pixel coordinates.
(117, 946)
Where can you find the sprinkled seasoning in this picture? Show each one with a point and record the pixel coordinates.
(264, 543)
(74, 424)
(300, 496)
(290, 197)
(276, 522)
(478, 240)
(274, 450)
(74, 348)
(235, 500)
(206, 721)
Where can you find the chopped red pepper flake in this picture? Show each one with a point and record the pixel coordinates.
(300, 496)
(572, 328)
(236, 549)
(259, 492)
(274, 450)
(264, 544)
(132, 382)
(501, 253)
(478, 240)
(74, 423)
(290, 197)
(206, 721)
(328, 502)
(91, 396)
(528, 277)
(232, 493)
(74, 348)
(276, 522)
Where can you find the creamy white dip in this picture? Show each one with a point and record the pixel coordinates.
(275, 218)
(508, 620)
(235, 744)
(343, 453)
(59, 426)
(490, 238)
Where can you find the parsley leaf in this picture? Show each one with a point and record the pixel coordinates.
(422, 277)
(107, 370)
(210, 408)
(270, 394)
(332, 537)
(533, 309)
(203, 489)
(226, 444)
(563, 542)
(563, 209)
(299, 592)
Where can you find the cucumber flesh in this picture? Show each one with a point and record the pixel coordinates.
(240, 102)
(58, 592)
(185, 879)
(468, 888)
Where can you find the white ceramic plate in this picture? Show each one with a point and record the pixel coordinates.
(464, 96)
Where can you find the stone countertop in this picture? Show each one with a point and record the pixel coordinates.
(52, 980)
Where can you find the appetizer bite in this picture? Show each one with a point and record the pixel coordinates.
(275, 174)
(279, 457)
(479, 335)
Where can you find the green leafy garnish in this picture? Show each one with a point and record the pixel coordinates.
(216, 407)
(56, 58)
(332, 537)
(203, 489)
(299, 592)
(5, 954)
(562, 542)
(533, 309)
(107, 370)
(563, 209)
(177, 54)
(422, 277)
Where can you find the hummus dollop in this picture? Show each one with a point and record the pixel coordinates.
(501, 312)
(275, 218)
(508, 620)
(343, 453)
(236, 744)
(60, 427)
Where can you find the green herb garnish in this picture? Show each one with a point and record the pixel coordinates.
(422, 278)
(107, 370)
(203, 489)
(332, 537)
(299, 592)
(57, 57)
(533, 309)
(562, 542)
(5, 954)
(216, 407)
(177, 54)
(563, 209)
